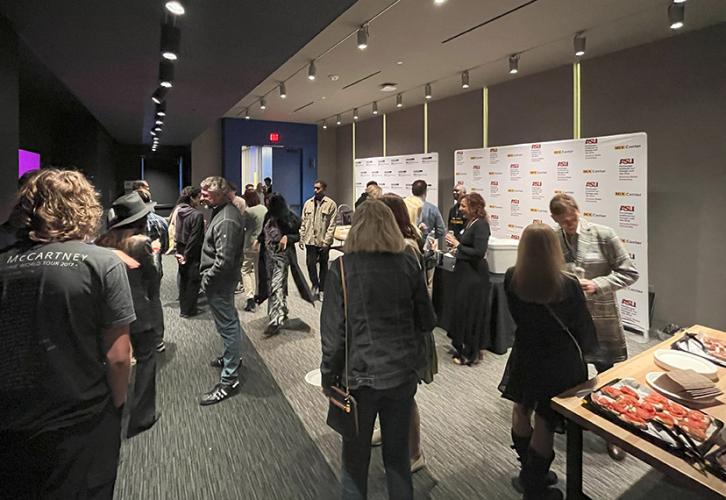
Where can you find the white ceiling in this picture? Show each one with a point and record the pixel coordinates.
(412, 31)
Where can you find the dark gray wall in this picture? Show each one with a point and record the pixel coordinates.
(9, 111)
(369, 138)
(404, 132)
(207, 153)
(344, 156)
(454, 123)
(536, 108)
(675, 90)
(328, 161)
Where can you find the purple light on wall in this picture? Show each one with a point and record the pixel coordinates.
(27, 161)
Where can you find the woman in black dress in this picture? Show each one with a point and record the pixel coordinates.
(468, 293)
(554, 332)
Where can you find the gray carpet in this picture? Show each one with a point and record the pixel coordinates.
(271, 441)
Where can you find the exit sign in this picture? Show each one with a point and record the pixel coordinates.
(274, 137)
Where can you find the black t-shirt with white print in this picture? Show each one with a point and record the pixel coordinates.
(56, 300)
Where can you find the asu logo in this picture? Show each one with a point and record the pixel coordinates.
(536, 183)
(459, 153)
(514, 165)
(515, 202)
(627, 208)
(493, 216)
(494, 183)
(563, 163)
(514, 236)
(590, 141)
(476, 167)
(536, 146)
(628, 302)
(493, 150)
(591, 184)
(536, 221)
(627, 161)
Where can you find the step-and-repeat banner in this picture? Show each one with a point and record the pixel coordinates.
(606, 175)
(395, 174)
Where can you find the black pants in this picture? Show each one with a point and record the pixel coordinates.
(142, 401)
(315, 255)
(394, 407)
(78, 462)
(189, 281)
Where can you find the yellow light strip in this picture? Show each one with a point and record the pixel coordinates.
(576, 102)
(353, 169)
(384, 134)
(426, 126)
(485, 116)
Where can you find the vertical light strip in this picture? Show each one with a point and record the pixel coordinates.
(181, 173)
(576, 102)
(384, 134)
(143, 168)
(485, 116)
(426, 127)
(353, 169)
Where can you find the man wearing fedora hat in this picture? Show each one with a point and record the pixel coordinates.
(219, 268)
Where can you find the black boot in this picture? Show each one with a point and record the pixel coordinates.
(534, 478)
(520, 445)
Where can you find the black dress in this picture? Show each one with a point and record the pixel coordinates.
(545, 361)
(465, 301)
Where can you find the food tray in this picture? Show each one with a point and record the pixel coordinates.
(716, 461)
(653, 416)
(699, 345)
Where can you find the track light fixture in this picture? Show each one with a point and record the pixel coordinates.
(338, 121)
(325, 125)
(170, 41)
(159, 122)
(579, 43)
(427, 91)
(153, 133)
(166, 73)
(363, 37)
(157, 128)
(439, 2)
(399, 100)
(355, 113)
(676, 15)
(514, 64)
(159, 95)
(465, 79)
(161, 109)
(283, 91)
(247, 113)
(263, 104)
(679, 1)
(312, 71)
(375, 108)
(175, 7)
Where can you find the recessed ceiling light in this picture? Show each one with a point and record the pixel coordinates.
(439, 2)
(323, 98)
(399, 62)
(334, 78)
(388, 87)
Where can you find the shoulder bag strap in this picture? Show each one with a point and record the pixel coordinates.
(569, 333)
(345, 309)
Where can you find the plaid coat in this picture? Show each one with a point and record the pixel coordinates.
(605, 261)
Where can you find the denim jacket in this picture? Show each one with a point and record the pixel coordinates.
(389, 314)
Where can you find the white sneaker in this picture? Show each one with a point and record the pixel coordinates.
(418, 464)
(377, 439)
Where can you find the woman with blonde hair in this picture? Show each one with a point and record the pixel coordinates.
(554, 333)
(387, 313)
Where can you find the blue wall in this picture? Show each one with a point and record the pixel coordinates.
(238, 132)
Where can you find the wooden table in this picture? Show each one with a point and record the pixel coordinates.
(569, 405)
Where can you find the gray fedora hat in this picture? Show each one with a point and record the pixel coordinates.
(126, 210)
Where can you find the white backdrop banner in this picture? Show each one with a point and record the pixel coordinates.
(606, 175)
(396, 174)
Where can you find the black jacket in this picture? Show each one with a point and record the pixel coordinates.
(389, 314)
(144, 281)
(189, 232)
(363, 197)
(222, 249)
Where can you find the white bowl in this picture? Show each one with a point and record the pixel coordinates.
(670, 359)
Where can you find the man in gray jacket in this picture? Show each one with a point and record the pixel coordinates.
(219, 269)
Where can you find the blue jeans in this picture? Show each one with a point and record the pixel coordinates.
(394, 408)
(221, 303)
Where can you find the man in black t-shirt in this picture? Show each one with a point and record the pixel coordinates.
(65, 310)
(456, 220)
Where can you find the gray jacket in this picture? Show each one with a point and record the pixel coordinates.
(606, 262)
(222, 250)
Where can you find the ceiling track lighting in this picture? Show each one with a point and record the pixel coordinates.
(159, 95)
(263, 104)
(514, 64)
(283, 91)
(312, 71)
(676, 15)
(338, 121)
(247, 113)
(170, 41)
(325, 125)
(363, 37)
(355, 113)
(439, 2)
(679, 1)
(166, 73)
(399, 100)
(159, 122)
(427, 91)
(161, 109)
(579, 43)
(375, 108)
(175, 7)
(157, 128)
(153, 133)
(465, 79)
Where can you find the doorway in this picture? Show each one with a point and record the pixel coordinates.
(287, 175)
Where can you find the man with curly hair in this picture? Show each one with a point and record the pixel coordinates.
(65, 310)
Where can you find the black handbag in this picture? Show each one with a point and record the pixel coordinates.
(343, 408)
